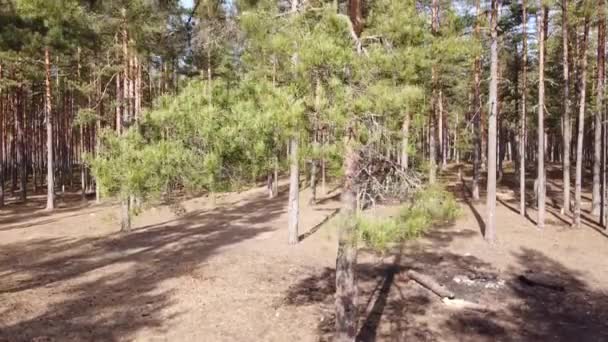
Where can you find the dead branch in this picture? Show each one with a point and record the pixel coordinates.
(430, 284)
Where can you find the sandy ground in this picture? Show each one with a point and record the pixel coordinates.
(224, 272)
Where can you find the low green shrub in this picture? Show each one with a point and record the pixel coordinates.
(430, 206)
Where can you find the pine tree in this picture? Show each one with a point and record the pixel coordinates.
(490, 230)
(581, 124)
(596, 200)
(567, 115)
(540, 178)
(524, 108)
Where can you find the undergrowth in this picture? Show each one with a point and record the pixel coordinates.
(430, 206)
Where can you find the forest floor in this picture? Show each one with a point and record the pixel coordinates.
(223, 272)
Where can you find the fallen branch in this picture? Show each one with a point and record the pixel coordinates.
(430, 284)
(462, 304)
(533, 279)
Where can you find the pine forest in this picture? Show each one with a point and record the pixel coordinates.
(305, 170)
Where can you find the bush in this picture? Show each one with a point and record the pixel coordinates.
(430, 206)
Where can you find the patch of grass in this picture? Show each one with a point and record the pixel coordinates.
(431, 206)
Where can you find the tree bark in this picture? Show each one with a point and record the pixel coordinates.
(597, 141)
(477, 112)
(346, 289)
(522, 132)
(323, 171)
(2, 135)
(20, 127)
(581, 126)
(294, 192)
(567, 125)
(434, 106)
(50, 180)
(355, 12)
(315, 140)
(125, 204)
(405, 128)
(490, 230)
(540, 219)
(443, 133)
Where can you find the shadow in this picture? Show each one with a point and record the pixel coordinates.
(539, 313)
(390, 306)
(109, 288)
(465, 198)
(33, 211)
(371, 322)
(318, 226)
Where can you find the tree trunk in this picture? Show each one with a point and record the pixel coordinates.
(275, 184)
(355, 12)
(294, 191)
(323, 171)
(477, 113)
(522, 124)
(2, 135)
(20, 127)
(445, 135)
(97, 137)
(315, 140)
(540, 178)
(346, 289)
(405, 128)
(490, 230)
(567, 125)
(434, 106)
(597, 141)
(50, 181)
(125, 215)
(581, 126)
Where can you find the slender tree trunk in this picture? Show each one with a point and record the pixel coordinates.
(581, 126)
(477, 112)
(2, 136)
(294, 191)
(597, 141)
(19, 128)
(323, 176)
(440, 131)
(275, 184)
(346, 289)
(125, 205)
(82, 146)
(567, 126)
(490, 230)
(50, 180)
(522, 123)
(355, 12)
(434, 106)
(315, 140)
(405, 132)
(540, 178)
(97, 136)
(313, 175)
(443, 127)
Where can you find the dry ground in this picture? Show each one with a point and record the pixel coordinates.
(223, 272)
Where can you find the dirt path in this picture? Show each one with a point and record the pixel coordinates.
(224, 272)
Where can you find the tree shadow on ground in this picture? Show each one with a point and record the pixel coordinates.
(17, 215)
(393, 308)
(108, 288)
(389, 305)
(539, 313)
